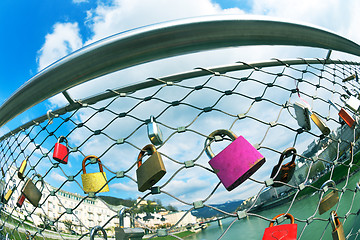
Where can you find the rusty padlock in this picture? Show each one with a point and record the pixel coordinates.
(151, 171)
(351, 102)
(348, 119)
(154, 132)
(287, 170)
(237, 162)
(31, 192)
(302, 116)
(337, 227)
(22, 168)
(94, 182)
(20, 200)
(61, 151)
(319, 123)
(283, 232)
(7, 196)
(330, 199)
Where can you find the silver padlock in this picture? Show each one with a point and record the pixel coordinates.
(122, 233)
(94, 231)
(154, 132)
(351, 102)
(302, 116)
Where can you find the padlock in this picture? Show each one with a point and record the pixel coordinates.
(125, 233)
(287, 170)
(31, 192)
(283, 232)
(351, 102)
(94, 231)
(152, 170)
(22, 168)
(61, 151)
(330, 199)
(351, 77)
(337, 227)
(349, 120)
(237, 162)
(7, 196)
(302, 116)
(154, 132)
(20, 200)
(94, 182)
(320, 124)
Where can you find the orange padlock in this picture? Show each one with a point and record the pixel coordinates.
(283, 232)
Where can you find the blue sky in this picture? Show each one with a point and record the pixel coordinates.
(36, 33)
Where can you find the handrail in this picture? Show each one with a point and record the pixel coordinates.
(160, 41)
(151, 82)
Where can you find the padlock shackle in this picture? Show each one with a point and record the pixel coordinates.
(62, 139)
(344, 97)
(40, 179)
(328, 182)
(145, 149)
(288, 215)
(351, 92)
(334, 220)
(94, 230)
(219, 132)
(285, 153)
(89, 157)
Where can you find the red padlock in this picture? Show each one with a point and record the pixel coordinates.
(61, 152)
(283, 232)
(20, 200)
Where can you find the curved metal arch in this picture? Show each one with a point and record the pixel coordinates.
(165, 40)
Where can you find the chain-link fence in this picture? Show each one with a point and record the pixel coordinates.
(255, 101)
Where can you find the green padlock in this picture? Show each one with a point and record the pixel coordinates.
(31, 192)
(94, 182)
(152, 170)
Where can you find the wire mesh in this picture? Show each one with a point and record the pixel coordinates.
(256, 103)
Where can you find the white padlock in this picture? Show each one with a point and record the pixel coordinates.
(351, 102)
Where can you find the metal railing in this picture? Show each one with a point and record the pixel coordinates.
(91, 125)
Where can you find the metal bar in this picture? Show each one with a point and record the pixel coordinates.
(165, 40)
(171, 78)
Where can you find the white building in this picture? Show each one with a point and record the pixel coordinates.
(57, 203)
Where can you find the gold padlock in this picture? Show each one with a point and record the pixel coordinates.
(8, 194)
(338, 229)
(151, 171)
(31, 192)
(94, 182)
(330, 199)
(22, 168)
(320, 124)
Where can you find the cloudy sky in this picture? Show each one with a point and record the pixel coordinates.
(37, 33)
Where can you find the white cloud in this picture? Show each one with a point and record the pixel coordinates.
(64, 39)
(57, 177)
(122, 15)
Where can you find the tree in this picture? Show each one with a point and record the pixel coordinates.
(68, 224)
(171, 208)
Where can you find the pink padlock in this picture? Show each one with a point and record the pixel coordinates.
(237, 162)
(61, 152)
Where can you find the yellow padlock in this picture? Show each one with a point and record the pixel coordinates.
(94, 182)
(8, 194)
(22, 168)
